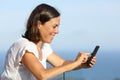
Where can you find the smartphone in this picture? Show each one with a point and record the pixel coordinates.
(92, 54)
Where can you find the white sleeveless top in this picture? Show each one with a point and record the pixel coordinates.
(13, 69)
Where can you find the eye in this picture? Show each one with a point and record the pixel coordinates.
(55, 26)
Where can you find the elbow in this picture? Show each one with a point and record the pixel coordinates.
(42, 76)
(42, 79)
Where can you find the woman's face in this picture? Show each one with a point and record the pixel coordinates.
(49, 30)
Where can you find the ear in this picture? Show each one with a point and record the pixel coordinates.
(39, 25)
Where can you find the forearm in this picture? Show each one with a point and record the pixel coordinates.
(70, 65)
(70, 61)
(61, 65)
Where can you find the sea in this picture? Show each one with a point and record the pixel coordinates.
(107, 66)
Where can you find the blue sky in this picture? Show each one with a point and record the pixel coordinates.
(84, 23)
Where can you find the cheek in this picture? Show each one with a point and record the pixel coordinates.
(48, 31)
(45, 33)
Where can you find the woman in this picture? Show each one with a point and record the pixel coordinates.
(26, 58)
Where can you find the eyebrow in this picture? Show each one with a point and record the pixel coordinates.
(56, 24)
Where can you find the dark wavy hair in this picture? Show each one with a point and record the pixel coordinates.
(42, 13)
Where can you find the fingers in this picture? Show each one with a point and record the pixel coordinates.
(92, 62)
(82, 59)
(84, 56)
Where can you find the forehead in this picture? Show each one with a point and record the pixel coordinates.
(55, 20)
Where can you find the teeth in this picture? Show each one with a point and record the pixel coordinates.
(52, 36)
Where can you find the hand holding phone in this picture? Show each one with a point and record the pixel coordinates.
(92, 55)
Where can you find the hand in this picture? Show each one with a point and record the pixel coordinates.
(91, 64)
(82, 57)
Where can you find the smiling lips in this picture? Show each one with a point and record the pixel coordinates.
(52, 36)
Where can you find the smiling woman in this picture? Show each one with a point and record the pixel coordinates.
(26, 58)
(49, 29)
(39, 20)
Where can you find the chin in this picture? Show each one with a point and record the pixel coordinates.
(48, 41)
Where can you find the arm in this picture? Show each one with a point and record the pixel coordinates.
(33, 65)
(58, 61)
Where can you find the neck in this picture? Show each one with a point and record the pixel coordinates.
(39, 44)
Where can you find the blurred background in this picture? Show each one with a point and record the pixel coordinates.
(84, 24)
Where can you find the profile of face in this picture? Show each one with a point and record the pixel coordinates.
(49, 29)
(42, 24)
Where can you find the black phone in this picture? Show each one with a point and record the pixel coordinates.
(92, 55)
